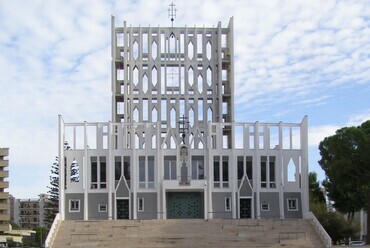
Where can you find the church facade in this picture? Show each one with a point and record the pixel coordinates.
(173, 149)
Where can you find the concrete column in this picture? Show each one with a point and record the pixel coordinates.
(85, 183)
(62, 203)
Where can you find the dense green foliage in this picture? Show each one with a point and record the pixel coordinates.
(346, 162)
(345, 158)
(333, 222)
(52, 205)
(316, 192)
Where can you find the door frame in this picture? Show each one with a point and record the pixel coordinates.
(129, 207)
(252, 205)
(202, 199)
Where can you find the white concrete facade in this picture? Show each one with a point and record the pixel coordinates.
(173, 145)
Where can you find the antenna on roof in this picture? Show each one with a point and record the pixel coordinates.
(172, 15)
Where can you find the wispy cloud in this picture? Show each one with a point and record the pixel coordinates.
(291, 57)
(359, 118)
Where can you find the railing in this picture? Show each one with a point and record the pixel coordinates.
(53, 230)
(320, 230)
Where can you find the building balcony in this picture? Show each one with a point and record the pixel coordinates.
(4, 195)
(4, 152)
(4, 185)
(4, 227)
(4, 174)
(4, 217)
(4, 163)
(4, 206)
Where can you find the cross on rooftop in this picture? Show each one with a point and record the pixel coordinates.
(172, 13)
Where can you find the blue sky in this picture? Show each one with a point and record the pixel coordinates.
(292, 58)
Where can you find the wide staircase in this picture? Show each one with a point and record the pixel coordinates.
(182, 233)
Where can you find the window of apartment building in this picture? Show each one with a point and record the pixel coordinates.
(170, 168)
(197, 167)
(146, 171)
(74, 205)
(98, 172)
(292, 204)
(102, 208)
(268, 172)
(140, 204)
(265, 207)
(221, 172)
(227, 203)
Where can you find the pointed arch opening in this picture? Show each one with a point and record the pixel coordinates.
(136, 115)
(154, 50)
(190, 50)
(154, 115)
(154, 76)
(191, 117)
(173, 117)
(209, 50)
(210, 114)
(291, 171)
(135, 76)
(209, 76)
(145, 84)
(191, 76)
(200, 83)
(135, 50)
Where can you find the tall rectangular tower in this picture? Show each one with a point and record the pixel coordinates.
(164, 74)
(4, 205)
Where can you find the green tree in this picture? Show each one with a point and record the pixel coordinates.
(334, 223)
(41, 233)
(75, 172)
(344, 160)
(52, 205)
(316, 192)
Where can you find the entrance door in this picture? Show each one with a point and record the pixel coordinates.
(245, 209)
(123, 211)
(184, 205)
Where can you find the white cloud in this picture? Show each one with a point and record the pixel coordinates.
(55, 59)
(359, 118)
(318, 133)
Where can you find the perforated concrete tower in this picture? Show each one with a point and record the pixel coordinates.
(164, 74)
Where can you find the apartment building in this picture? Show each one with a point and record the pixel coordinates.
(4, 185)
(29, 213)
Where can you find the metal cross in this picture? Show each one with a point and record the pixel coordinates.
(184, 127)
(172, 13)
